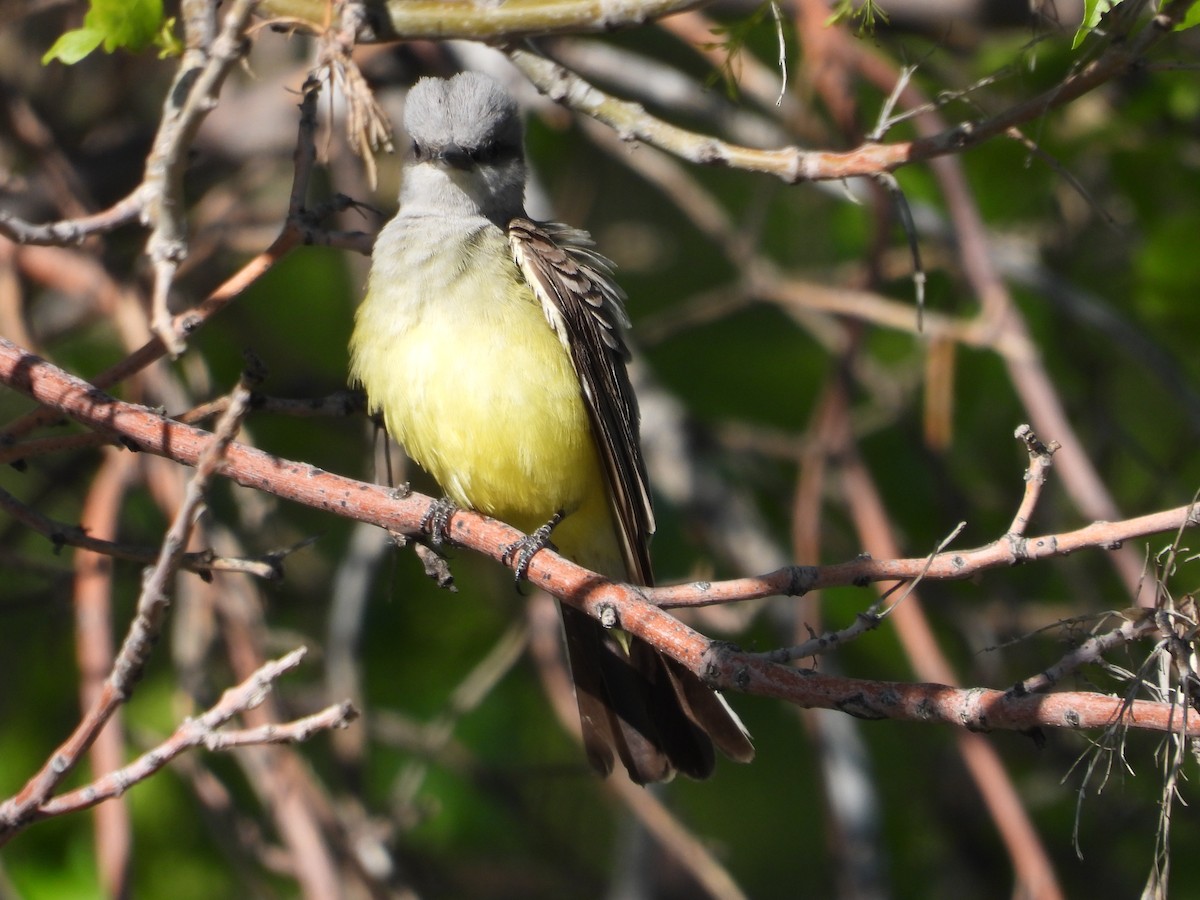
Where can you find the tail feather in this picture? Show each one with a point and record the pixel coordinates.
(649, 711)
(710, 712)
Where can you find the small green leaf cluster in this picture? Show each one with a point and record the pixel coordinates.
(733, 39)
(868, 15)
(132, 25)
(1095, 10)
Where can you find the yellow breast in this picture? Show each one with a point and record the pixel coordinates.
(452, 346)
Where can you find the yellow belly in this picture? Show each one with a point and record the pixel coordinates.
(473, 382)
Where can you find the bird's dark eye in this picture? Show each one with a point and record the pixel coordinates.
(483, 154)
(495, 151)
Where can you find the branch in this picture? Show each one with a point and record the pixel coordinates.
(436, 20)
(1000, 318)
(1090, 652)
(951, 566)
(637, 610)
(93, 602)
(142, 634)
(1034, 871)
(1041, 458)
(338, 404)
(74, 231)
(192, 96)
(793, 165)
(202, 732)
(62, 535)
(141, 428)
(297, 229)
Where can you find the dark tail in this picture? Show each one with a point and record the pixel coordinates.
(644, 708)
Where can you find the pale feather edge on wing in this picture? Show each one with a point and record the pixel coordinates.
(584, 307)
(588, 316)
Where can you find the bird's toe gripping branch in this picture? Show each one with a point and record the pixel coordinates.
(522, 552)
(436, 520)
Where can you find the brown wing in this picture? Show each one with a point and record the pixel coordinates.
(655, 714)
(586, 309)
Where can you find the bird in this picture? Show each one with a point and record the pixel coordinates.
(494, 347)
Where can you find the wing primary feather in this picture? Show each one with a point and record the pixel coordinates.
(586, 309)
(635, 703)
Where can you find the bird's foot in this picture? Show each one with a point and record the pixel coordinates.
(523, 551)
(436, 520)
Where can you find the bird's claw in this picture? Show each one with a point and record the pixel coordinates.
(436, 520)
(523, 551)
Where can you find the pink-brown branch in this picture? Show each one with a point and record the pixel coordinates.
(635, 608)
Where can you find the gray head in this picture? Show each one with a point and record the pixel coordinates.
(466, 146)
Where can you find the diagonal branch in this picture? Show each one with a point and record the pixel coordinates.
(142, 634)
(202, 732)
(795, 165)
(633, 608)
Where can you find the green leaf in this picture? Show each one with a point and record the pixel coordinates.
(167, 41)
(867, 14)
(74, 45)
(1093, 12)
(128, 24)
(119, 24)
(1192, 19)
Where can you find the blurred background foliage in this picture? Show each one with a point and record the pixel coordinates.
(1105, 271)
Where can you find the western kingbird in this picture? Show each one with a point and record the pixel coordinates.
(493, 346)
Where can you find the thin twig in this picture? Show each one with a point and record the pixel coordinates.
(62, 535)
(889, 183)
(1090, 652)
(142, 633)
(337, 404)
(202, 71)
(297, 229)
(202, 732)
(1041, 458)
(863, 621)
(69, 232)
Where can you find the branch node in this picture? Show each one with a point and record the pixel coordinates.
(607, 614)
(1018, 547)
(801, 580)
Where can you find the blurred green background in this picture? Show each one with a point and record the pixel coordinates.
(1105, 272)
